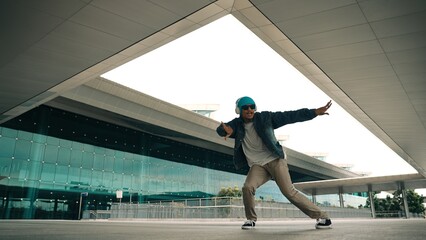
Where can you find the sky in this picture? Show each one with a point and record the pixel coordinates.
(223, 61)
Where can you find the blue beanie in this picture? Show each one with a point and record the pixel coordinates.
(244, 101)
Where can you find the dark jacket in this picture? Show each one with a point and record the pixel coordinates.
(264, 123)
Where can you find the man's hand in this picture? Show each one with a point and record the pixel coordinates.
(323, 110)
(227, 129)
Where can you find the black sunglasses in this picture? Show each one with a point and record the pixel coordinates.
(246, 107)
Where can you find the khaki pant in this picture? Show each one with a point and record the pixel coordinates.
(278, 170)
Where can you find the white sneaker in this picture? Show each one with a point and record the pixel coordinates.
(323, 223)
(249, 224)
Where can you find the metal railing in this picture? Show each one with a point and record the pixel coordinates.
(397, 214)
(224, 207)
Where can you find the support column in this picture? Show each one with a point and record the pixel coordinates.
(314, 199)
(314, 196)
(404, 199)
(371, 196)
(341, 200)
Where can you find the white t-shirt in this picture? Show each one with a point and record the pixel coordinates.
(255, 150)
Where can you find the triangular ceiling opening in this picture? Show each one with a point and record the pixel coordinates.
(223, 61)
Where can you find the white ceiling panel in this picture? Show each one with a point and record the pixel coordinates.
(45, 67)
(69, 47)
(355, 74)
(184, 7)
(414, 82)
(91, 37)
(111, 23)
(323, 21)
(143, 12)
(21, 28)
(376, 10)
(341, 36)
(283, 10)
(345, 51)
(63, 9)
(410, 68)
(400, 25)
(404, 42)
(407, 56)
(355, 63)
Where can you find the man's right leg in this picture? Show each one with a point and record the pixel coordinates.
(256, 177)
(280, 171)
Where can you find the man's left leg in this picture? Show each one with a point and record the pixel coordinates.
(280, 173)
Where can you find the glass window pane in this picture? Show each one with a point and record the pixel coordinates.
(7, 132)
(48, 172)
(87, 161)
(77, 146)
(109, 163)
(19, 169)
(65, 143)
(98, 162)
(64, 155)
(118, 165)
(137, 167)
(136, 182)
(5, 166)
(99, 150)
(31, 184)
(119, 154)
(34, 170)
(51, 154)
(88, 148)
(74, 175)
(37, 152)
(117, 181)
(127, 181)
(38, 138)
(127, 166)
(25, 135)
(97, 179)
(61, 174)
(52, 141)
(76, 157)
(107, 179)
(22, 149)
(86, 176)
(7, 146)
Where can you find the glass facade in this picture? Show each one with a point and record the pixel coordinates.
(49, 158)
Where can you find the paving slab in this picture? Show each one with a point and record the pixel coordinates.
(343, 229)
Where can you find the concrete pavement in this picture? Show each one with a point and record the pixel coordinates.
(346, 229)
